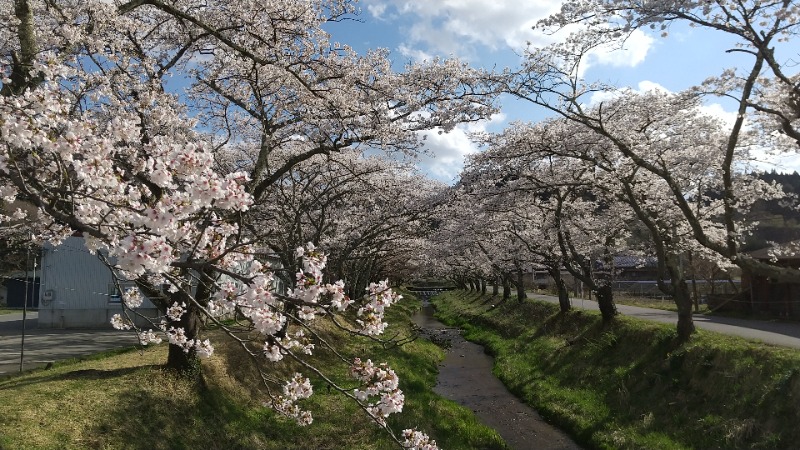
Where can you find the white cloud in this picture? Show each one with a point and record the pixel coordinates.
(377, 10)
(415, 54)
(446, 152)
(785, 162)
(716, 110)
(631, 53)
(464, 28)
(456, 27)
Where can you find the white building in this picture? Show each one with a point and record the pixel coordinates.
(77, 290)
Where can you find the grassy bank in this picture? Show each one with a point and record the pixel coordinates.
(628, 385)
(126, 401)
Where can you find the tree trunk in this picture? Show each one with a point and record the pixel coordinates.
(520, 282)
(563, 293)
(483, 286)
(681, 296)
(496, 286)
(506, 288)
(695, 296)
(605, 301)
(186, 363)
(683, 300)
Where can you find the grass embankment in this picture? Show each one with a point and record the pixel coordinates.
(127, 401)
(628, 385)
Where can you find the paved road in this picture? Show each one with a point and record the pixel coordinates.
(773, 332)
(43, 345)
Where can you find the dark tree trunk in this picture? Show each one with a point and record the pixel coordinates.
(695, 295)
(681, 296)
(561, 286)
(178, 360)
(520, 282)
(483, 286)
(186, 363)
(506, 287)
(683, 300)
(605, 301)
(496, 286)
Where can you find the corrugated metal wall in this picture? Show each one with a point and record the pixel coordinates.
(77, 289)
(76, 278)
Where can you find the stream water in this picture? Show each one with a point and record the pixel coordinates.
(465, 376)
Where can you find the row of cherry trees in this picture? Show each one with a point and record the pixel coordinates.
(611, 163)
(182, 139)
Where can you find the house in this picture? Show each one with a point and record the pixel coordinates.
(627, 273)
(771, 296)
(77, 289)
(630, 268)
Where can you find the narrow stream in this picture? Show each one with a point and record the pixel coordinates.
(465, 376)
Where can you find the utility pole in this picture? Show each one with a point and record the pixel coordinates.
(25, 308)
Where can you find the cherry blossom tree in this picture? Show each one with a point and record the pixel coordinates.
(368, 213)
(552, 206)
(658, 154)
(665, 156)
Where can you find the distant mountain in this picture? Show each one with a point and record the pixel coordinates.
(779, 220)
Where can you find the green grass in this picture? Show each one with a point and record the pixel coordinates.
(628, 385)
(665, 304)
(8, 311)
(126, 401)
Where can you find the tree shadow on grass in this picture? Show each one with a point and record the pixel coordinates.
(188, 417)
(43, 376)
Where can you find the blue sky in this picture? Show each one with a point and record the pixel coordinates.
(493, 33)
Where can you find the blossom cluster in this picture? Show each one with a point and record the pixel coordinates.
(296, 388)
(380, 296)
(132, 298)
(417, 440)
(177, 337)
(377, 381)
(278, 347)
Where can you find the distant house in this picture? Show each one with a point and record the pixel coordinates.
(772, 296)
(630, 268)
(624, 271)
(77, 290)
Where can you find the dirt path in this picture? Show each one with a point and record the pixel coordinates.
(465, 376)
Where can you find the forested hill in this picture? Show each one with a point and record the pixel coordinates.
(779, 221)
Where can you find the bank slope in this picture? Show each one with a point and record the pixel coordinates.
(628, 384)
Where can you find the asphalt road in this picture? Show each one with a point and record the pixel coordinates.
(44, 345)
(774, 332)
